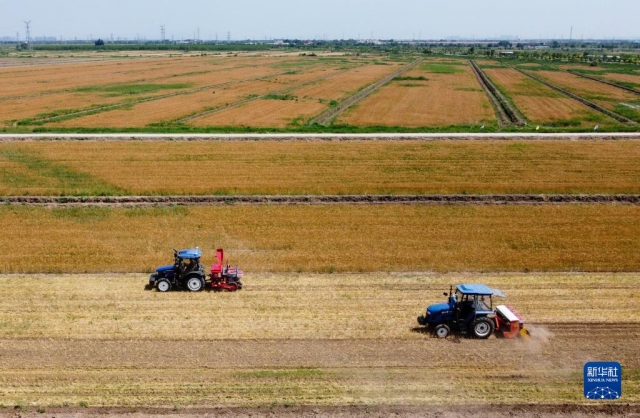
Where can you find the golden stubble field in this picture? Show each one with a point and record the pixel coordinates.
(334, 238)
(538, 102)
(298, 168)
(424, 97)
(292, 339)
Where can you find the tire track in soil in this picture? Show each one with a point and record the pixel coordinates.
(139, 201)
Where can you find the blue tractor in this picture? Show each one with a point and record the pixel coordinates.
(186, 272)
(469, 311)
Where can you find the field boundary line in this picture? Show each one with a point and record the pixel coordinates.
(629, 89)
(580, 99)
(507, 114)
(74, 115)
(335, 137)
(327, 116)
(261, 97)
(456, 199)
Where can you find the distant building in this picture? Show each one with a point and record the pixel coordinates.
(507, 53)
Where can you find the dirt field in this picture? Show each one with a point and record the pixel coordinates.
(318, 168)
(539, 103)
(95, 341)
(347, 238)
(443, 99)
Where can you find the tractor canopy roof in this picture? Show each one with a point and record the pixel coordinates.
(479, 289)
(190, 254)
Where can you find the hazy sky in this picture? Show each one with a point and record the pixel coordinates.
(257, 19)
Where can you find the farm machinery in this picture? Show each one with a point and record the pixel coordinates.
(188, 273)
(469, 311)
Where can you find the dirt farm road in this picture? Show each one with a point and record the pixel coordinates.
(322, 137)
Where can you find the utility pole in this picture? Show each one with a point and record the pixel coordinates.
(198, 38)
(28, 25)
(18, 36)
(162, 32)
(228, 36)
(571, 34)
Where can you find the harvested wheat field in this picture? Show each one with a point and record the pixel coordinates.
(265, 113)
(625, 78)
(129, 81)
(443, 99)
(183, 105)
(287, 340)
(346, 84)
(317, 168)
(541, 104)
(327, 238)
(170, 108)
(21, 82)
(606, 96)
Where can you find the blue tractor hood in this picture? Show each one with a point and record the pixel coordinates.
(438, 307)
(164, 269)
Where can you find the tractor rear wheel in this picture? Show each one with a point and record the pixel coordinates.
(442, 331)
(163, 286)
(195, 284)
(483, 327)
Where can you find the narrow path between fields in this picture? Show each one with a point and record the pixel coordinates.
(465, 136)
(137, 201)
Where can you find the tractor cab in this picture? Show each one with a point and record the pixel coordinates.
(187, 261)
(185, 273)
(468, 311)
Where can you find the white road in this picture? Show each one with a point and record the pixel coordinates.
(312, 136)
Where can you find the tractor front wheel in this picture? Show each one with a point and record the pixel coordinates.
(195, 284)
(483, 328)
(442, 331)
(163, 286)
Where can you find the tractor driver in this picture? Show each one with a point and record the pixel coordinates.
(191, 265)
